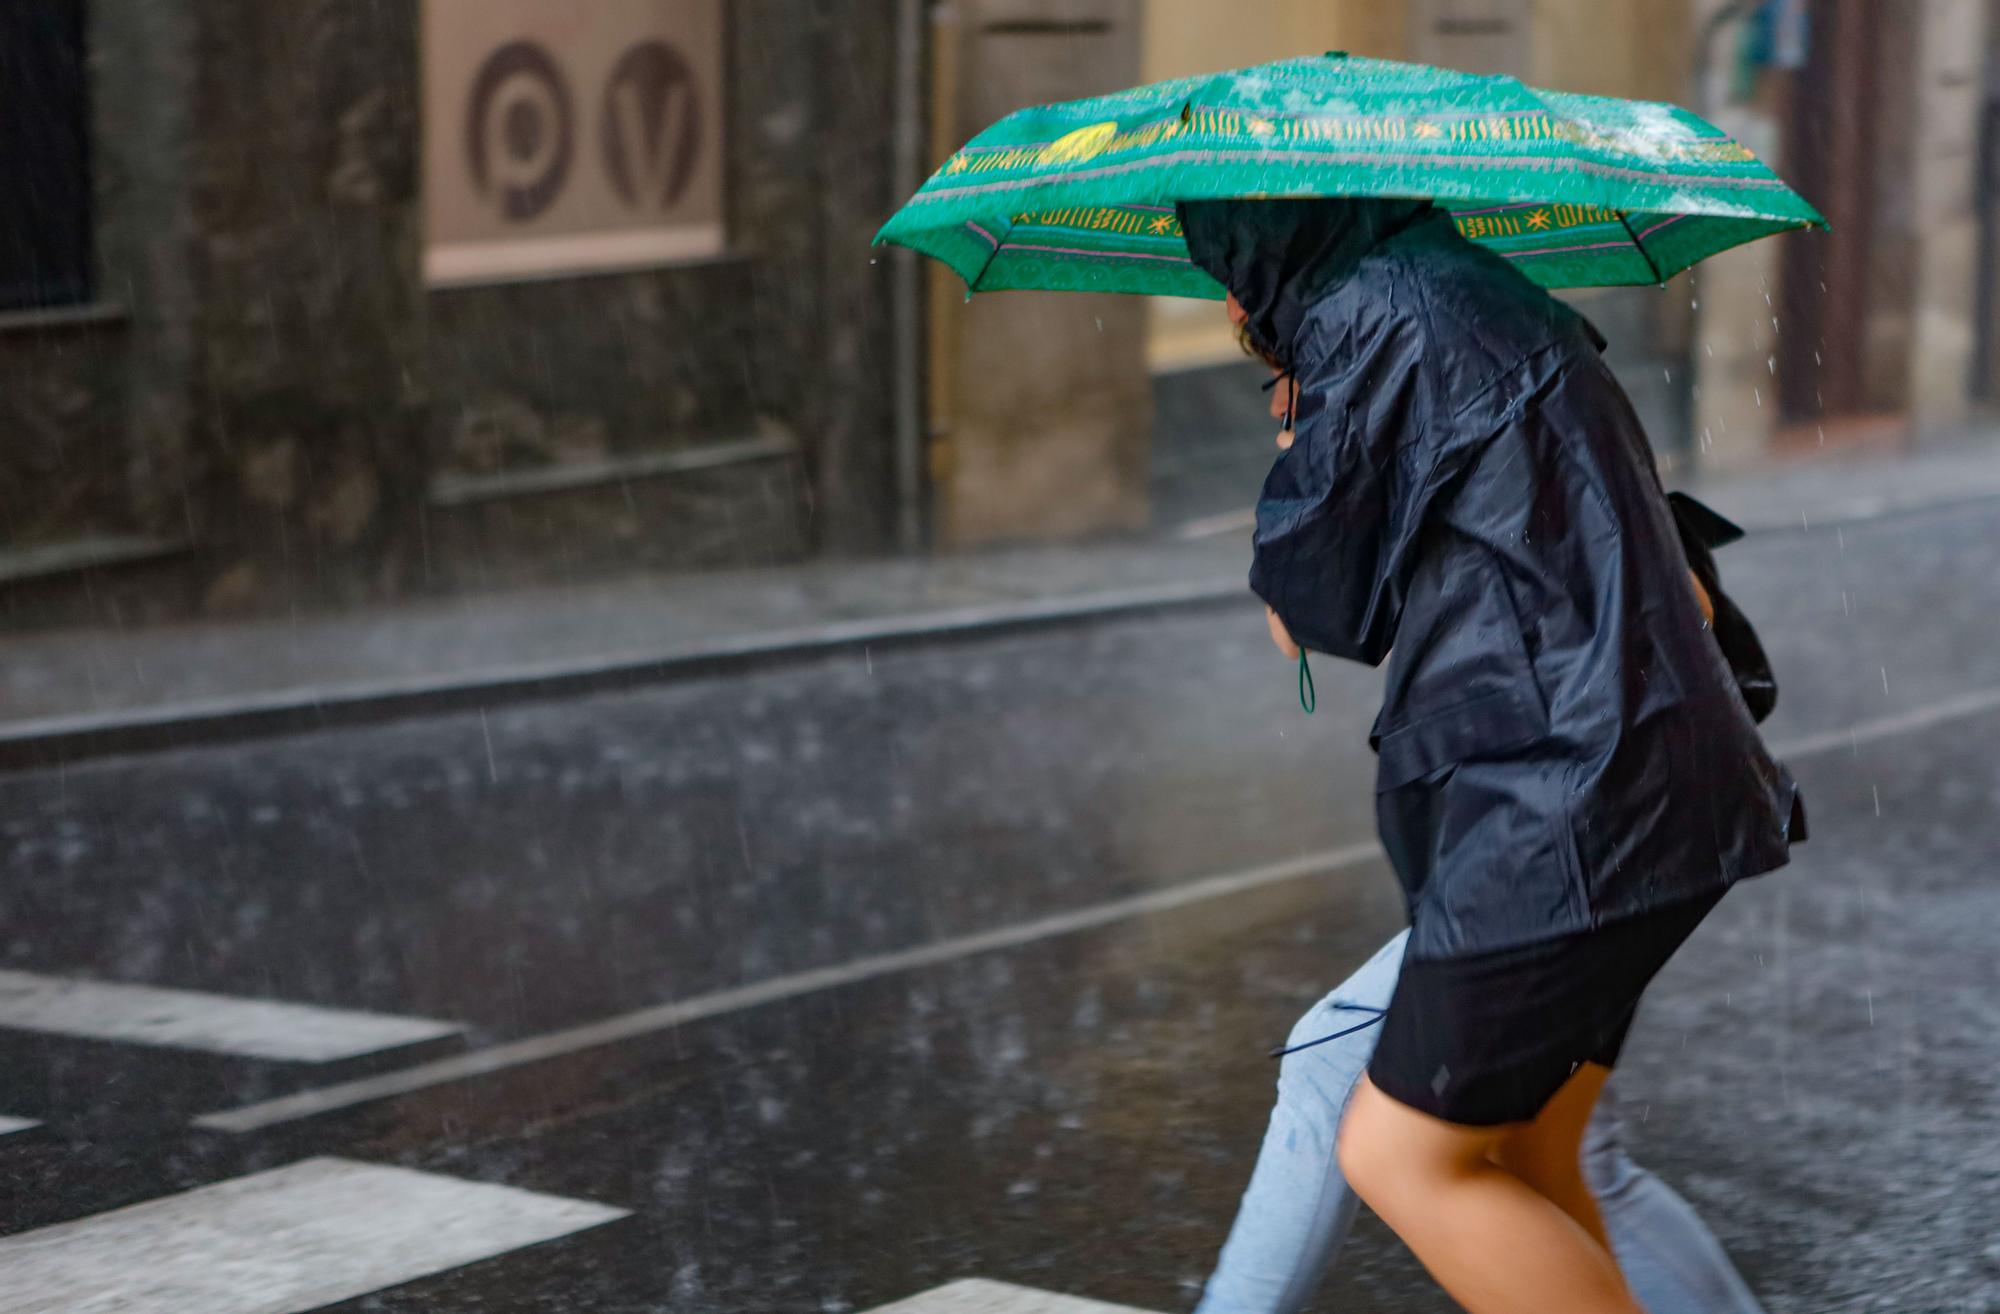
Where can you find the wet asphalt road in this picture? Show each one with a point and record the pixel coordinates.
(1076, 1113)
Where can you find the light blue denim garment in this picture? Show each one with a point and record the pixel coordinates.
(1297, 1210)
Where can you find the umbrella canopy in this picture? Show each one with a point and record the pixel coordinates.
(1576, 191)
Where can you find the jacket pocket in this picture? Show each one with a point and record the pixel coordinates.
(1489, 726)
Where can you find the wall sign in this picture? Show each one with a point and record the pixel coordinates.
(563, 137)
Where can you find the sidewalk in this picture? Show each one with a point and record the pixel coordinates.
(66, 694)
(74, 693)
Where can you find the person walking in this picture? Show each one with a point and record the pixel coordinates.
(1569, 778)
(1298, 1209)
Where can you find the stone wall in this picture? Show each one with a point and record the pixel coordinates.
(63, 472)
(306, 448)
(270, 396)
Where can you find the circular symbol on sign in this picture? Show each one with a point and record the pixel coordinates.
(652, 125)
(520, 132)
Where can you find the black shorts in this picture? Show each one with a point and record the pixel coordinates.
(1488, 1040)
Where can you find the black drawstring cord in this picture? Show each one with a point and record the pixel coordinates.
(1308, 696)
(1379, 1013)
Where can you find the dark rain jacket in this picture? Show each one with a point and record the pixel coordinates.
(1470, 497)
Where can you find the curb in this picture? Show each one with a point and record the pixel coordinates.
(57, 741)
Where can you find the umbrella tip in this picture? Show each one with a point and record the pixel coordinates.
(1336, 54)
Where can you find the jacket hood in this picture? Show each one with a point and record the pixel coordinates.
(1280, 256)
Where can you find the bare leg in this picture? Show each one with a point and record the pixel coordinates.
(1547, 1153)
(1497, 1244)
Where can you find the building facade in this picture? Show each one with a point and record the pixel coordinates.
(333, 304)
(386, 298)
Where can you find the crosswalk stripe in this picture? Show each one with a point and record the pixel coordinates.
(296, 1238)
(8, 1126)
(980, 1296)
(217, 1024)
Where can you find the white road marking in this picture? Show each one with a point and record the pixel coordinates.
(296, 1238)
(661, 1017)
(1928, 717)
(1229, 522)
(8, 1126)
(217, 1024)
(979, 1296)
(646, 1021)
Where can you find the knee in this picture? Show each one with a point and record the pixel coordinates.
(1390, 1154)
(1362, 1148)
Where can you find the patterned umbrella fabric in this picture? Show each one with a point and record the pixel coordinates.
(1577, 191)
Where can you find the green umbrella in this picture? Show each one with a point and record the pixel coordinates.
(1577, 191)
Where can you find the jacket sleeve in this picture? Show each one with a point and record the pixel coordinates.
(1702, 530)
(1341, 508)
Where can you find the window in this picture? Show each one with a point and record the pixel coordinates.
(45, 213)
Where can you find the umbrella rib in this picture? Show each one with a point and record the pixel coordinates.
(1625, 217)
(972, 284)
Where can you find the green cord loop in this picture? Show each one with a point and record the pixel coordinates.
(1308, 696)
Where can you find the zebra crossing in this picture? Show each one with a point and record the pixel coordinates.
(285, 1241)
(292, 1239)
(980, 1296)
(317, 1232)
(216, 1024)
(313, 1233)
(228, 1026)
